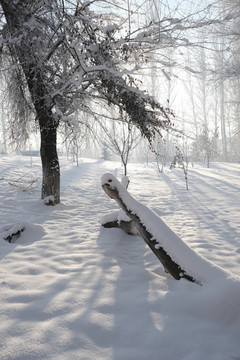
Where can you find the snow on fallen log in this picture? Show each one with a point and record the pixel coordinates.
(176, 256)
(13, 233)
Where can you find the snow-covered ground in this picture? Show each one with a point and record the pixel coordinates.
(72, 290)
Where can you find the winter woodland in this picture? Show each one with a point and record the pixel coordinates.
(166, 72)
(138, 100)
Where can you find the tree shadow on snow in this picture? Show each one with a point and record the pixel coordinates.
(132, 268)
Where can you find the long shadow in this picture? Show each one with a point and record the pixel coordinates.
(219, 183)
(134, 335)
(200, 206)
(56, 312)
(95, 301)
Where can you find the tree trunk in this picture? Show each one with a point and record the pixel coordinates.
(50, 166)
(17, 15)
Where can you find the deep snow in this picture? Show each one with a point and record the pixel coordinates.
(71, 289)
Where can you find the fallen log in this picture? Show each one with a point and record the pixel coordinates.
(141, 225)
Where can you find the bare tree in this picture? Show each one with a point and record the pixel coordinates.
(178, 160)
(206, 146)
(121, 138)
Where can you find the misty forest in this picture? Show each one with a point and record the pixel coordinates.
(119, 174)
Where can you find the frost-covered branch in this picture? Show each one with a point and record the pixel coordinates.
(23, 182)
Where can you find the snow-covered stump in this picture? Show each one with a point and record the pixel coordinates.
(144, 223)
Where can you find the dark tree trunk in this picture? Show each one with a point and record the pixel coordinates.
(17, 15)
(50, 166)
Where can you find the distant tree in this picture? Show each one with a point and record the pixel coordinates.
(180, 161)
(227, 46)
(120, 139)
(106, 152)
(75, 136)
(207, 145)
(161, 152)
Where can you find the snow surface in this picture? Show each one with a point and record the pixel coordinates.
(71, 289)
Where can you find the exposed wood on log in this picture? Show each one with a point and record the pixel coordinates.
(128, 226)
(111, 224)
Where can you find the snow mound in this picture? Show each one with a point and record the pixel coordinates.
(22, 233)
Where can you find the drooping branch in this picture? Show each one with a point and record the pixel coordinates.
(142, 227)
(143, 111)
